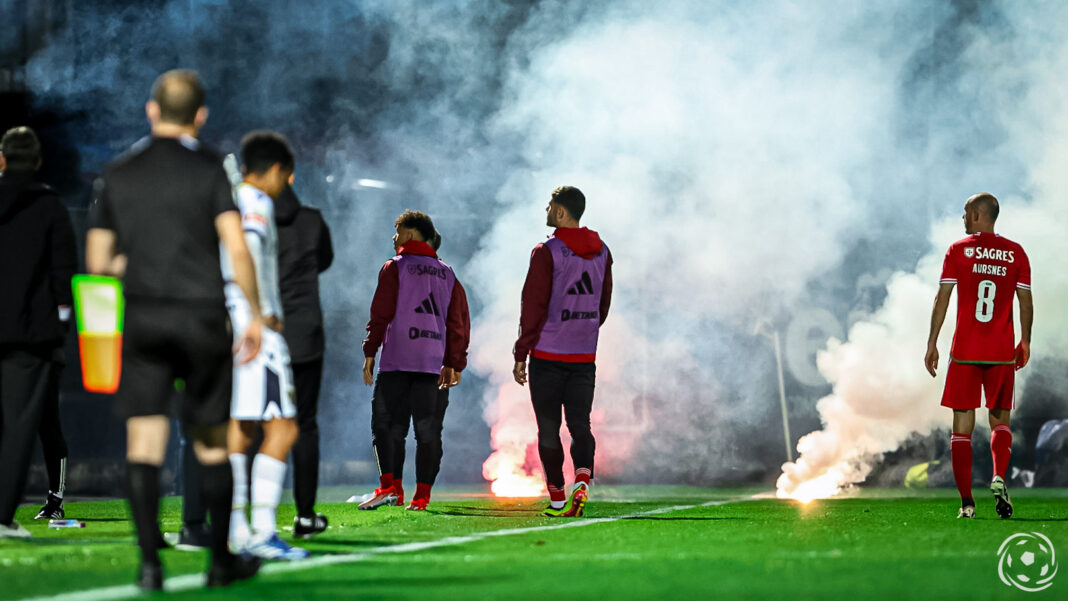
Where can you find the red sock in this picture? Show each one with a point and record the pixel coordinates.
(583, 474)
(422, 491)
(398, 488)
(1001, 449)
(385, 481)
(960, 449)
(556, 494)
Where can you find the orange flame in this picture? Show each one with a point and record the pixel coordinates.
(824, 486)
(514, 468)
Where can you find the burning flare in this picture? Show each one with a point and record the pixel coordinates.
(881, 396)
(513, 468)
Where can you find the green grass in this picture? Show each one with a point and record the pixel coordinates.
(881, 544)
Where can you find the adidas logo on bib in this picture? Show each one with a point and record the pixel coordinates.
(429, 306)
(583, 286)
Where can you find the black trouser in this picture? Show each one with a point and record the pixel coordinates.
(398, 445)
(554, 384)
(53, 443)
(307, 379)
(400, 398)
(24, 379)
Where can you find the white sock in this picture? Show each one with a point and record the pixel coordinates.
(557, 504)
(238, 521)
(268, 475)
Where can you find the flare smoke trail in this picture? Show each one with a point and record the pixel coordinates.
(725, 174)
(881, 393)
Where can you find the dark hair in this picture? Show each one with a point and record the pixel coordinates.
(435, 242)
(418, 221)
(986, 203)
(21, 149)
(179, 95)
(572, 199)
(261, 149)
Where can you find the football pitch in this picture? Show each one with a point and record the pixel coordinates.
(635, 542)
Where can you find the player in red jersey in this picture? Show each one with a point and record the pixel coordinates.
(986, 269)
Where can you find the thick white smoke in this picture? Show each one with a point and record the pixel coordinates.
(882, 394)
(725, 153)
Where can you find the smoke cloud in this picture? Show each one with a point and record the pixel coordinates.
(756, 168)
(730, 156)
(880, 398)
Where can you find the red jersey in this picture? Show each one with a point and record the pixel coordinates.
(987, 269)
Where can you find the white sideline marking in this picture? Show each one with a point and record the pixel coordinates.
(193, 581)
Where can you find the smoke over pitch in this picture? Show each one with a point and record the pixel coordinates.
(747, 163)
(880, 395)
(728, 158)
(735, 156)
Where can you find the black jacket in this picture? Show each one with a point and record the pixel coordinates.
(37, 260)
(304, 251)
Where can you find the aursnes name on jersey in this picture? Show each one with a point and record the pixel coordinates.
(991, 254)
(984, 269)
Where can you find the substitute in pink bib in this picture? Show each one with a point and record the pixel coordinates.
(566, 298)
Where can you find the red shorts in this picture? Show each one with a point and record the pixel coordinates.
(965, 380)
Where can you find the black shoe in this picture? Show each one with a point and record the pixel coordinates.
(194, 537)
(305, 527)
(150, 577)
(242, 567)
(53, 508)
(1001, 495)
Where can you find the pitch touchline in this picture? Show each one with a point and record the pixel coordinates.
(193, 581)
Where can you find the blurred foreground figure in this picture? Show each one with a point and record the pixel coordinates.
(263, 396)
(167, 204)
(37, 260)
(987, 270)
(566, 298)
(304, 251)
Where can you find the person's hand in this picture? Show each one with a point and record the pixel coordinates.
(449, 377)
(931, 360)
(369, 370)
(273, 322)
(248, 344)
(456, 377)
(519, 372)
(1023, 354)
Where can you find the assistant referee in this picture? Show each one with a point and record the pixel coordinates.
(167, 204)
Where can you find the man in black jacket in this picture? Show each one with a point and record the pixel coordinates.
(37, 260)
(304, 251)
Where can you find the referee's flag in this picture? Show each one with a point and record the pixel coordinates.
(98, 307)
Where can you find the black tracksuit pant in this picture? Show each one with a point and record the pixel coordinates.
(25, 375)
(556, 384)
(398, 445)
(307, 381)
(402, 398)
(53, 444)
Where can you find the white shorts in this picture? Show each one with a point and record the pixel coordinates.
(263, 387)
